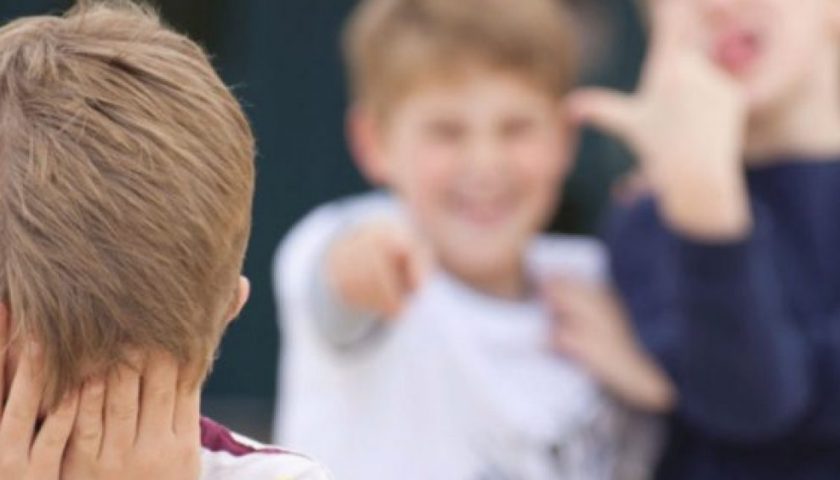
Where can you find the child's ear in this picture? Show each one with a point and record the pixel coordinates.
(243, 291)
(365, 139)
(4, 324)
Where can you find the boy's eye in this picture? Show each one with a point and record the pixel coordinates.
(517, 127)
(446, 131)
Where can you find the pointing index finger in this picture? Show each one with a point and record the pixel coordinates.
(17, 425)
(4, 351)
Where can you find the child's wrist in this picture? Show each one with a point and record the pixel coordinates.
(716, 209)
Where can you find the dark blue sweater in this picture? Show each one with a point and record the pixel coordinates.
(748, 330)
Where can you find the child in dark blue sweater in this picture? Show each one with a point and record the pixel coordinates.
(748, 329)
(730, 270)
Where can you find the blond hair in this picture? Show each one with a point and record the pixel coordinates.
(126, 177)
(391, 44)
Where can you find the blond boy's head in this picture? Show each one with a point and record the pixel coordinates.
(457, 110)
(392, 46)
(126, 177)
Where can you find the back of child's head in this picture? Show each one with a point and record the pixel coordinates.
(126, 178)
(392, 45)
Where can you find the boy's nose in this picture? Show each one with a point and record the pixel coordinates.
(484, 167)
(486, 156)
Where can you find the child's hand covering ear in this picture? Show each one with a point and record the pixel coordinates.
(137, 424)
(29, 452)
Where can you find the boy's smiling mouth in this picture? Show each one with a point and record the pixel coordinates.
(482, 212)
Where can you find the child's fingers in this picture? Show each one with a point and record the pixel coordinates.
(402, 249)
(675, 30)
(388, 284)
(565, 296)
(86, 439)
(18, 423)
(568, 342)
(122, 401)
(187, 407)
(412, 269)
(159, 391)
(631, 188)
(611, 111)
(48, 449)
(4, 351)
(582, 308)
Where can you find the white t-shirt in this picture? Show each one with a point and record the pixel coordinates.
(228, 456)
(462, 386)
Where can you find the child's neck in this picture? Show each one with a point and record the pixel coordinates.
(505, 280)
(807, 123)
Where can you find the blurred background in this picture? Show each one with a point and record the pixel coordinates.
(283, 59)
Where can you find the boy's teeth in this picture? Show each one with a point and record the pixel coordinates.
(481, 211)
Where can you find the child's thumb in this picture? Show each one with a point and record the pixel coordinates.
(608, 110)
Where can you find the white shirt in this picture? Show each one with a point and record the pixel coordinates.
(228, 456)
(462, 386)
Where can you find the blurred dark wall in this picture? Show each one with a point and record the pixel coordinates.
(287, 62)
(282, 58)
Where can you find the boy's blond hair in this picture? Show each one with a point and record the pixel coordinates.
(390, 45)
(126, 177)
